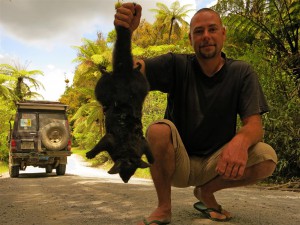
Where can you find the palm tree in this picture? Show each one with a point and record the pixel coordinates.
(274, 23)
(21, 81)
(5, 91)
(88, 117)
(173, 17)
(90, 56)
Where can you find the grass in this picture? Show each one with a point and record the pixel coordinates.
(96, 162)
(3, 167)
(143, 173)
(78, 151)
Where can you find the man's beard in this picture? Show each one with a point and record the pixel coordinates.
(206, 55)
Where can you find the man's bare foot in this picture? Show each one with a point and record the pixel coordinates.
(160, 214)
(210, 201)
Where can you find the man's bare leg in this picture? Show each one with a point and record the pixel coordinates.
(252, 175)
(162, 170)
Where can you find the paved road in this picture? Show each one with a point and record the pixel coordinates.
(88, 196)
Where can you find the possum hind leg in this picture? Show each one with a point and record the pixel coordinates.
(146, 150)
(105, 144)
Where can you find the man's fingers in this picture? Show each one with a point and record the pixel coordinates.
(230, 171)
(241, 171)
(128, 15)
(221, 167)
(235, 171)
(129, 8)
(121, 23)
(138, 10)
(124, 14)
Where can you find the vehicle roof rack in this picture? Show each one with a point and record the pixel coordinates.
(43, 105)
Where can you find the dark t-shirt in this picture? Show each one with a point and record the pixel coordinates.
(204, 109)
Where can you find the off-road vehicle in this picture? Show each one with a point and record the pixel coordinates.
(39, 137)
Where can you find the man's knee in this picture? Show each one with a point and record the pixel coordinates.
(262, 153)
(262, 170)
(159, 132)
(269, 167)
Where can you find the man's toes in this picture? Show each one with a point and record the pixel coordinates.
(219, 216)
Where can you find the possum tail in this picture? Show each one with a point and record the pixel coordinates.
(122, 57)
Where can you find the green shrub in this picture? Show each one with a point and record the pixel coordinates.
(7, 112)
(282, 123)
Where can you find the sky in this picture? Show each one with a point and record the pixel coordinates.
(39, 34)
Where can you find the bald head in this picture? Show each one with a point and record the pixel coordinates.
(209, 11)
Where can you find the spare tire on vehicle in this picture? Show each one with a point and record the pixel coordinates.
(55, 136)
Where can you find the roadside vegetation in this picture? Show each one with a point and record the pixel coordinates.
(263, 33)
(3, 167)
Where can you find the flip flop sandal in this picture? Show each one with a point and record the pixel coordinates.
(206, 212)
(157, 222)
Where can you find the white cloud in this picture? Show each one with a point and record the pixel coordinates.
(42, 31)
(44, 23)
(54, 82)
(39, 22)
(51, 67)
(8, 58)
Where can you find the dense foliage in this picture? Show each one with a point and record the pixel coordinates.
(6, 112)
(263, 33)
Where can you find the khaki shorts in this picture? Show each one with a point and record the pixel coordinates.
(195, 171)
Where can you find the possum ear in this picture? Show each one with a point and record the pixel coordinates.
(102, 69)
(143, 164)
(116, 168)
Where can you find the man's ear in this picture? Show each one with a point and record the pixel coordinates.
(190, 38)
(224, 33)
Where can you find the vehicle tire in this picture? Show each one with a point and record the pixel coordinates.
(55, 136)
(14, 171)
(48, 169)
(61, 169)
